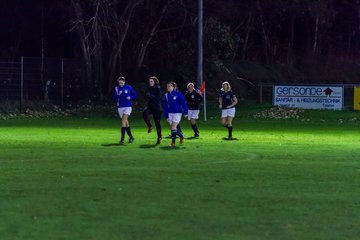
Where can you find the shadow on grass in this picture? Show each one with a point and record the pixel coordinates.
(230, 139)
(169, 148)
(112, 145)
(191, 138)
(146, 146)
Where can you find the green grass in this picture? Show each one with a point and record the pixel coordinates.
(68, 179)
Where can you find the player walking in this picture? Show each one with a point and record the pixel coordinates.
(154, 106)
(123, 94)
(174, 106)
(193, 100)
(227, 104)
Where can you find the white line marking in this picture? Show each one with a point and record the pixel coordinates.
(250, 157)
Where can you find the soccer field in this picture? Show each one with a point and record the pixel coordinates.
(67, 178)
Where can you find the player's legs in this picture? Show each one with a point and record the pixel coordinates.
(126, 126)
(229, 124)
(146, 117)
(224, 121)
(194, 127)
(193, 115)
(174, 120)
(157, 120)
(124, 120)
(174, 131)
(124, 123)
(229, 121)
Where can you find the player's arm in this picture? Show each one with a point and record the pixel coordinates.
(150, 95)
(133, 94)
(186, 97)
(183, 104)
(234, 102)
(115, 96)
(199, 97)
(158, 93)
(166, 107)
(220, 101)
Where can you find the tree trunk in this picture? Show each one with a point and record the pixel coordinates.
(112, 67)
(115, 62)
(264, 35)
(98, 49)
(246, 39)
(316, 33)
(291, 38)
(84, 42)
(147, 38)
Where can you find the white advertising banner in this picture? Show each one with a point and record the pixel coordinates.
(309, 96)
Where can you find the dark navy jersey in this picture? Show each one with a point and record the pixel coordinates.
(193, 100)
(155, 98)
(227, 98)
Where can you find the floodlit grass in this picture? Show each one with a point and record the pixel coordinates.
(68, 179)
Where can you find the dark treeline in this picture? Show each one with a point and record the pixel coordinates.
(245, 42)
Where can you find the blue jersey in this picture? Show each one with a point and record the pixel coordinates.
(174, 102)
(121, 94)
(227, 98)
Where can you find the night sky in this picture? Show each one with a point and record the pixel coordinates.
(22, 22)
(314, 39)
(21, 29)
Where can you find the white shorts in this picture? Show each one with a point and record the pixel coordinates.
(124, 110)
(193, 114)
(174, 118)
(230, 112)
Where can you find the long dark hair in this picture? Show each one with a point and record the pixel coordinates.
(156, 80)
(172, 83)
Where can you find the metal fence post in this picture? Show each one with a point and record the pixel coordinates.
(22, 84)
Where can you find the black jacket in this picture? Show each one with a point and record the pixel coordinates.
(193, 100)
(155, 97)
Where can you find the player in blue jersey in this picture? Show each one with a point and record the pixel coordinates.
(227, 104)
(123, 94)
(193, 100)
(154, 106)
(178, 127)
(174, 107)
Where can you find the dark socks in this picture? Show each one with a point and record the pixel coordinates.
(230, 131)
(178, 128)
(147, 120)
(195, 128)
(123, 130)
(173, 135)
(128, 130)
(158, 128)
(179, 134)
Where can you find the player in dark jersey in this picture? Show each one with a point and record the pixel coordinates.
(154, 106)
(227, 104)
(193, 100)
